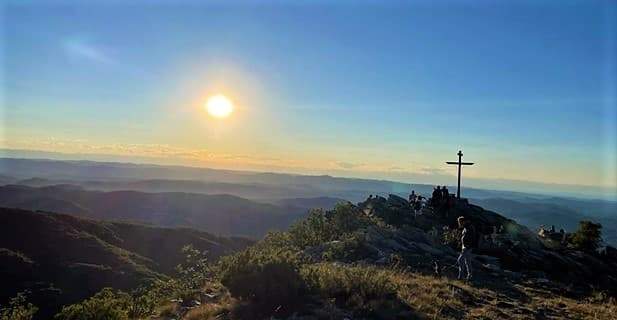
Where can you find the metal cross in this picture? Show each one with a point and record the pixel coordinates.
(459, 164)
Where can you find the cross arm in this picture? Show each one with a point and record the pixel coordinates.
(462, 163)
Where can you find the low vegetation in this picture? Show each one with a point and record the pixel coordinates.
(317, 270)
(18, 308)
(587, 237)
(267, 280)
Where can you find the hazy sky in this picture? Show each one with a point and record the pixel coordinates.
(526, 89)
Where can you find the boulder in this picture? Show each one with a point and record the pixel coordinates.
(396, 201)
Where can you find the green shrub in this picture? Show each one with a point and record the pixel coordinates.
(105, 305)
(587, 237)
(141, 302)
(353, 287)
(351, 247)
(108, 304)
(451, 237)
(320, 227)
(347, 218)
(276, 243)
(195, 271)
(18, 309)
(267, 279)
(312, 231)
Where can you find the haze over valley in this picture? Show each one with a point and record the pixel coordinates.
(249, 204)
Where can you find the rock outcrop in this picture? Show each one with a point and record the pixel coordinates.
(504, 246)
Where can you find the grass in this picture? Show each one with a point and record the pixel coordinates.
(363, 291)
(349, 282)
(356, 290)
(275, 279)
(209, 311)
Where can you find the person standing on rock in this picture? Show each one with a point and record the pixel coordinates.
(436, 197)
(467, 240)
(413, 197)
(445, 194)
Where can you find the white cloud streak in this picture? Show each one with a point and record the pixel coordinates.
(81, 49)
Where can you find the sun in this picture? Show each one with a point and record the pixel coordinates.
(219, 106)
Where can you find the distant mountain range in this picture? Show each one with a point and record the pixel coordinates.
(63, 259)
(289, 196)
(252, 185)
(218, 214)
(556, 212)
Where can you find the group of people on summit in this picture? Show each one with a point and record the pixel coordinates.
(441, 196)
(442, 200)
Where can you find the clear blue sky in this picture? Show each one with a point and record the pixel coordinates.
(527, 89)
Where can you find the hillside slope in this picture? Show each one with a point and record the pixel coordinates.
(63, 259)
(377, 260)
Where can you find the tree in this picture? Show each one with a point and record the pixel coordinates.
(588, 236)
(195, 271)
(18, 309)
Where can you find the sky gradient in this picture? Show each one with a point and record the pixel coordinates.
(526, 89)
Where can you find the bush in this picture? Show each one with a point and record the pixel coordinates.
(451, 238)
(588, 236)
(354, 287)
(141, 303)
(108, 304)
(195, 271)
(105, 305)
(312, 231)
(350, 248)
(18, 309)
(320, 227)
(347, 218)
(267, 279)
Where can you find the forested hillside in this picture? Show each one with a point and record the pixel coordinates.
(62, 259)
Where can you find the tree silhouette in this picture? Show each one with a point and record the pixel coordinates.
(588, 236)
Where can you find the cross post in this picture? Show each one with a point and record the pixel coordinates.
(459, 163)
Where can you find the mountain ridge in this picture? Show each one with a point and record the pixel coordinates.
(224, 214)
(63, 258)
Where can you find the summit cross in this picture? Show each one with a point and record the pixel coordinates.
(459, 163)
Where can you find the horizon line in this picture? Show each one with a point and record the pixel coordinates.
(608, 193)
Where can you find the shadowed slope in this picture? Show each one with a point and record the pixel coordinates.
(63, 259)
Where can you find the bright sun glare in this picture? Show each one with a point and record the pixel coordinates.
(219, 106)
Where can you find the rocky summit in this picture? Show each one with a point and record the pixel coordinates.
(385, 258)
(504, 249)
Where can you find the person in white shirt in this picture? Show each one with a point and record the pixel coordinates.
(464, 258)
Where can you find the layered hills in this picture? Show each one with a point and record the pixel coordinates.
(299, 191)
(62, 259)
(218, 214)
